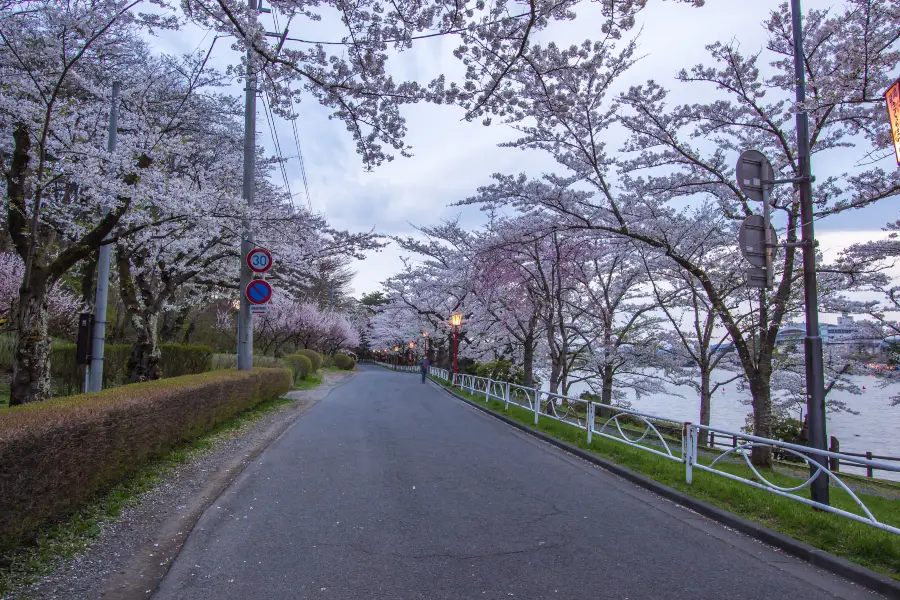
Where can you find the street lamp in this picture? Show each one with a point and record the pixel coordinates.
(396, 356)
(412, 345)
(455, 321)
(425, 335)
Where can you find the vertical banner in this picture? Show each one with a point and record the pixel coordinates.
(893, 105)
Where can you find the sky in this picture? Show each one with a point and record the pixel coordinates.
(452, 157)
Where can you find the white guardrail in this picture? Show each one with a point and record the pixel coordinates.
(618, 424)
(434, 371)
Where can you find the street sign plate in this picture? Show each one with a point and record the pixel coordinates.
(259, 260)
(259, 292)
(753, 168)
(752, 240)
(259, 309)
(893, 103)
(756, 277)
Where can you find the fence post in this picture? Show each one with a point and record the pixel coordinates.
(487, 389)
(506, 397)
(834, 463)
(869, 467)
(590, 422)
(689, 441)
(712, 439)
(537, 405)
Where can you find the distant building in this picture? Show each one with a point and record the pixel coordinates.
(846, 335)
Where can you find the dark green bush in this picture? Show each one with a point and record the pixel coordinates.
(501, 370)
(55, 455)
(184, 359)
(352, 365)
(342, 361)
(67, 378)
(314, 357)
(300, 365)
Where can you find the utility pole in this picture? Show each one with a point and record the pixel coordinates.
(245, 320)
(815, 376)
(95, 378)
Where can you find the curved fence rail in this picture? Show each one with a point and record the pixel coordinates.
(677, 441)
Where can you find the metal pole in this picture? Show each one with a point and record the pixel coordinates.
(95, 376)
(245, 320)
(815, 379)
(455, 348)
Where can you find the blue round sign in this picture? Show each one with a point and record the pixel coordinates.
(259, 292)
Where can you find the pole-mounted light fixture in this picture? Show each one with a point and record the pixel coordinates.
(456, 319)
(412, 345)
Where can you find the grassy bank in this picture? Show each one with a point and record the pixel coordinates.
(857, 542)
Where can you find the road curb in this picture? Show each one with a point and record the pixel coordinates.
(819, 558)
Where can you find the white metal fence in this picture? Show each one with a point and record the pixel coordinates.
(678, 441)
(434, 371)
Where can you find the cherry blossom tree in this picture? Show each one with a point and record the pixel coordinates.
(682, 152)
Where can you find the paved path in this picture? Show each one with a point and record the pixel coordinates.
(390, 489)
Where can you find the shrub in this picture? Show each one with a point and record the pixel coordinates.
(224, 361)
(55, 454)
(352, 365)
(314, 357)
(184, 359)
(300, 365)
(268, 362)
(342, 361)
(67, 378)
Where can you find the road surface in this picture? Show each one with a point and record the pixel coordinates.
(391, 489)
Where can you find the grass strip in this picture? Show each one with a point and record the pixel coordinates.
(860, 543)
(26, 563)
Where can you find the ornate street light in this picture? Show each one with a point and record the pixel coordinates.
(425, 335)
(455, 321)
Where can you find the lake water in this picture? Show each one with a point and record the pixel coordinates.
(874, 429)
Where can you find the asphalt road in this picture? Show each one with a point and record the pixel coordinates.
(391, 489)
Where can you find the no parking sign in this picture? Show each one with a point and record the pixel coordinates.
(259, 292)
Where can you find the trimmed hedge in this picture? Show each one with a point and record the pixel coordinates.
(55, 455)
(342, 361)
(184, 359)
(300, 365)
(175, 360)
(314, 357)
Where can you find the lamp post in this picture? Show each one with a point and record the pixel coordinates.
(455, 321)
(412, 346)
(396, 356)
(425, 350)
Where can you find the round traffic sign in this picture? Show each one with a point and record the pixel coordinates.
(259, 260)
(259, 292)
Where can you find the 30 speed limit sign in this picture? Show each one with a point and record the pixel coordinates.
(259, 260)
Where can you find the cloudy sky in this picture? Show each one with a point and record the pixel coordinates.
(453, 157)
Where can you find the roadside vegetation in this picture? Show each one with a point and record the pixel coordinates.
(857, 542)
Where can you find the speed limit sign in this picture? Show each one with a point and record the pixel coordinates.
(259, 260)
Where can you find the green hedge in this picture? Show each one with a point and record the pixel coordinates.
(55, 454)
(184, 359)
(300, 365)
(175, 360)
(314, 357)
(342, 361)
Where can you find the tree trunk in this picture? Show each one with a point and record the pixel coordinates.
(31, 369)
(528, 361)
(704, 401)
(143, 365)
(760, 390)
(606, 392)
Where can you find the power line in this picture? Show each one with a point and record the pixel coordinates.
(300, 155)
(270, 118)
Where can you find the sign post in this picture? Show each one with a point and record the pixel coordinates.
(892, 96)
(756, 177)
